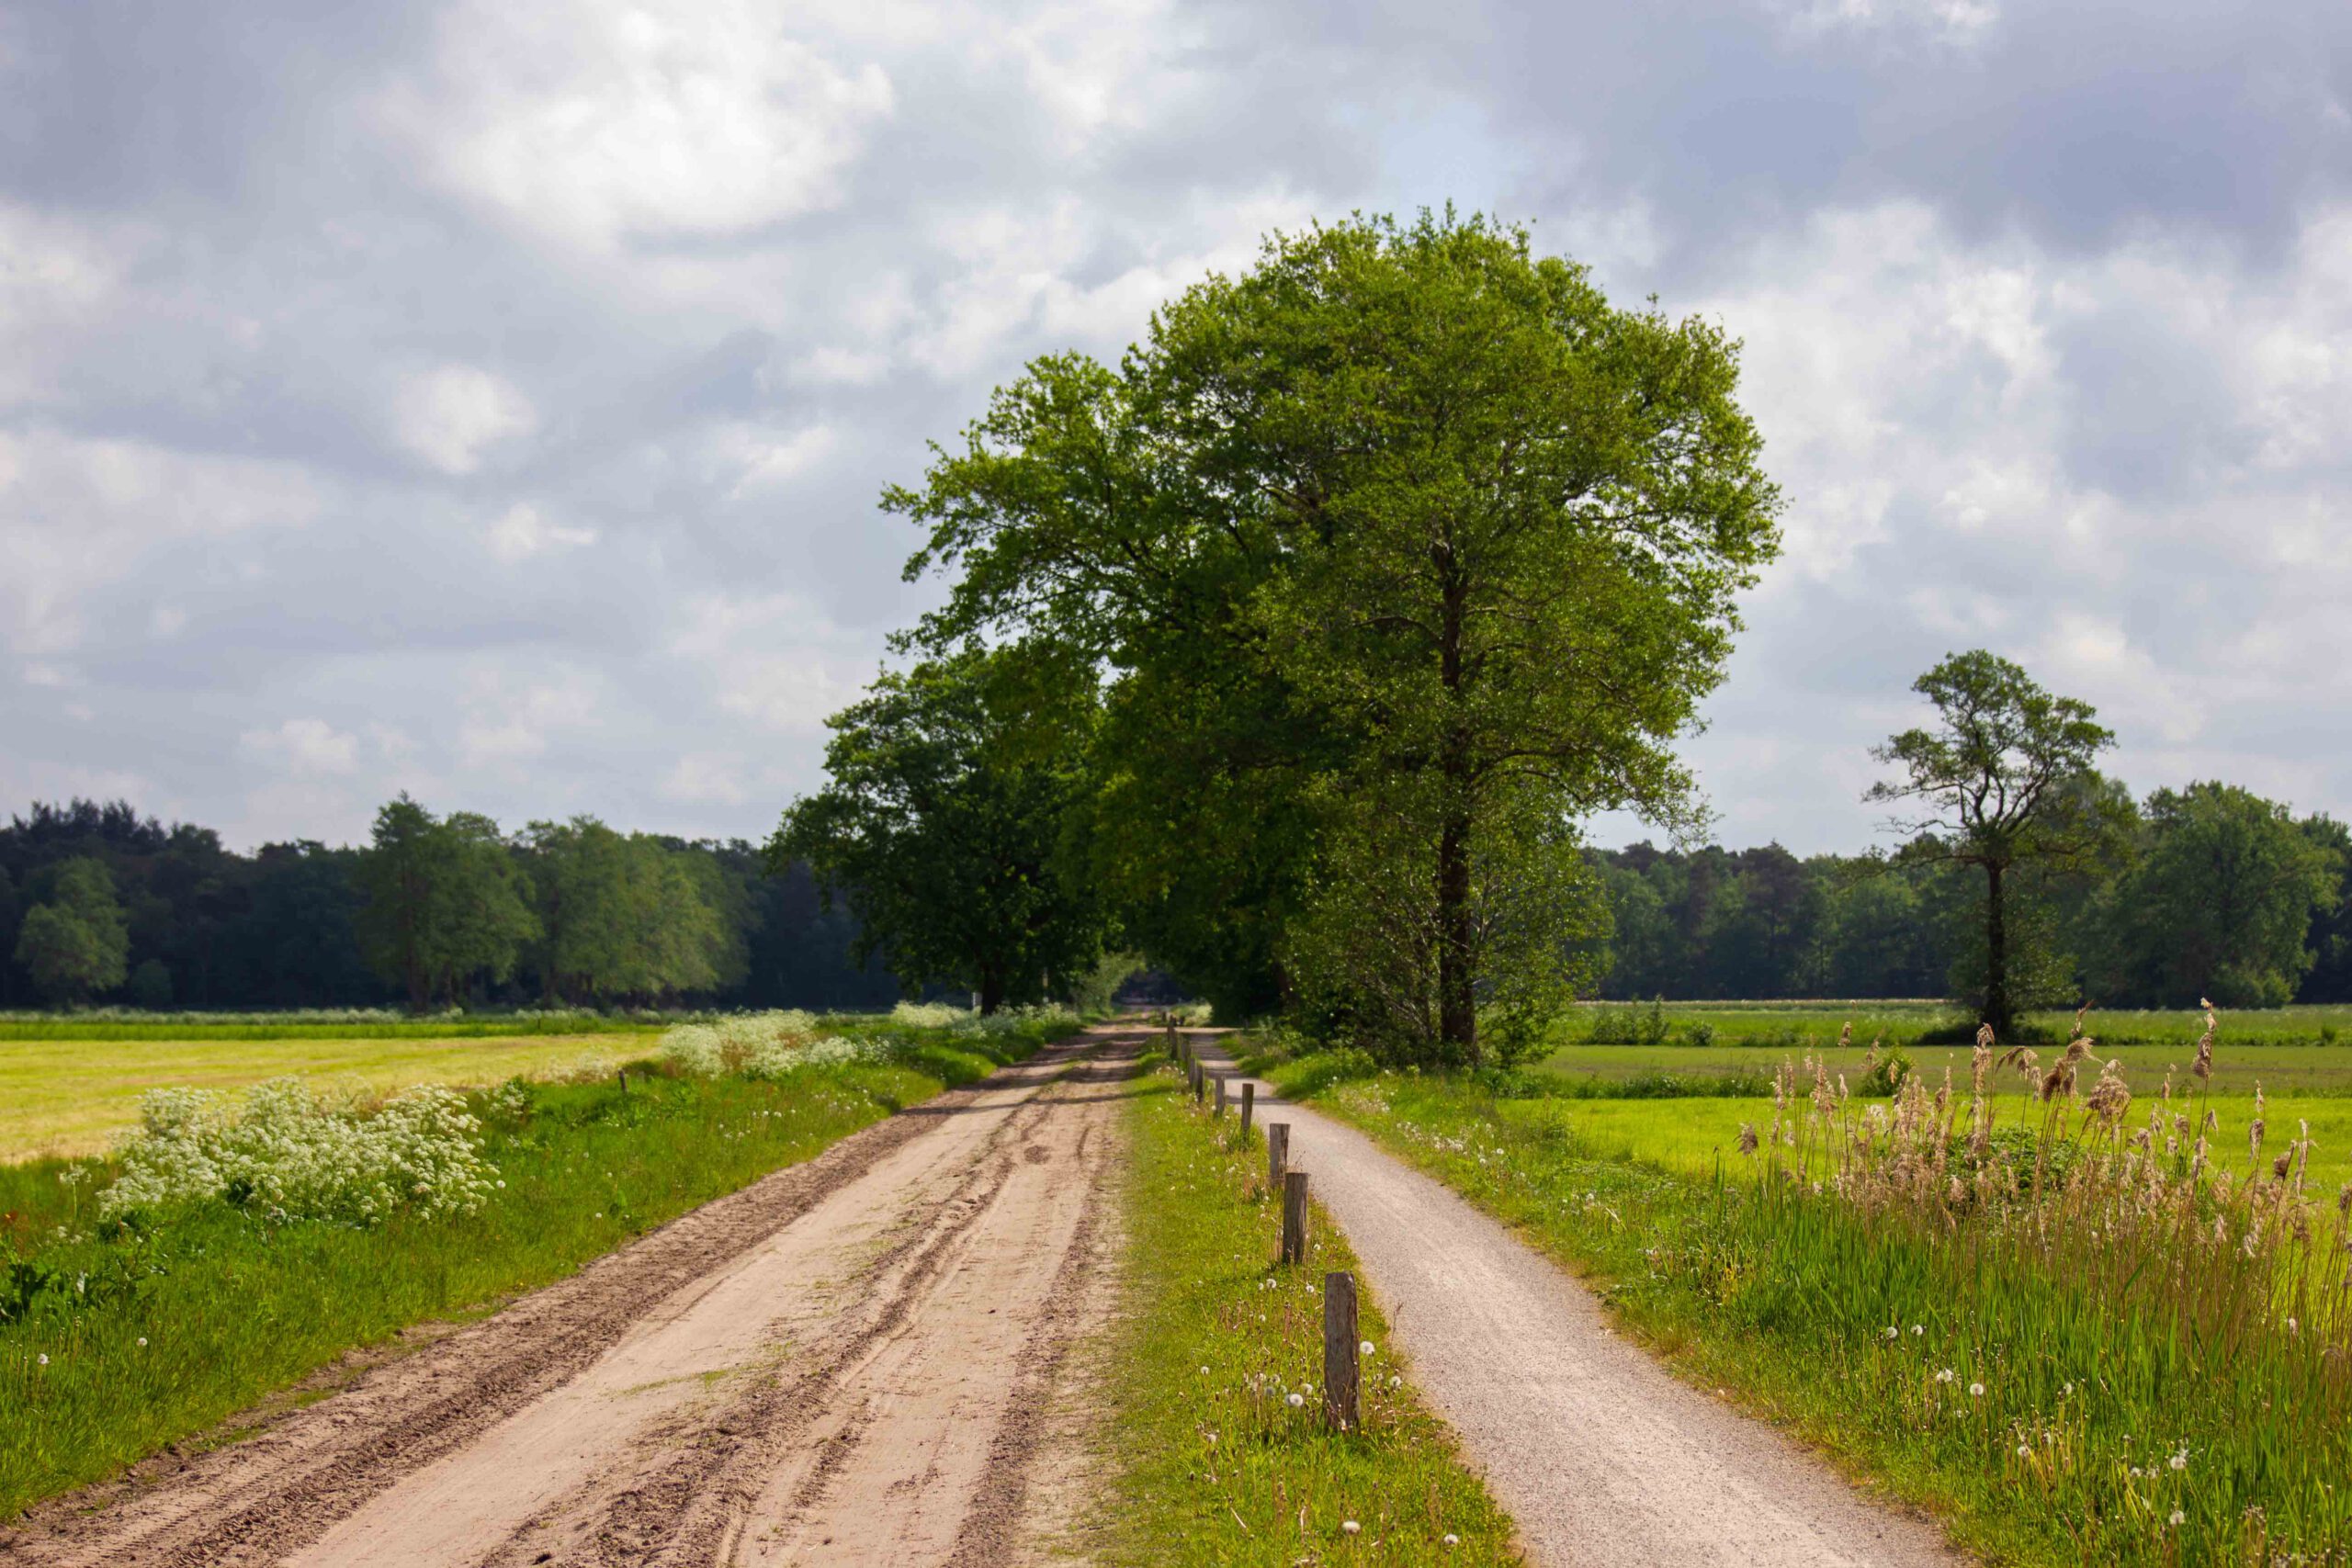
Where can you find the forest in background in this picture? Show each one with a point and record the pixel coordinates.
(2210, 889)
(569, 913)
(577, 913)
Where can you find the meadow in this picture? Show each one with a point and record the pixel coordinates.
(2072, 1345)
(1815, 1025)
(66, 1096)
(127, 1325)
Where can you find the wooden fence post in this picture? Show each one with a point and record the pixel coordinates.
(1220, 1096)
(1248, 1104)
(1200, 1083)
(1294, 1216)
(1277, 1152)
(1342, 1375)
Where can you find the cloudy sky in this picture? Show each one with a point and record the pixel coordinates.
(489, 398)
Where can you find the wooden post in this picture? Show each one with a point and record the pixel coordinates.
(1277, 1152)
(1220, 1096)
(1200, 1083)
(1294, 1216)
(1248, 1104)
(624, 1076)
(1342, 1376)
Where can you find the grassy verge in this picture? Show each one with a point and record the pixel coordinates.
(112, 1346)
(1215, 1466)
(2040, 1417)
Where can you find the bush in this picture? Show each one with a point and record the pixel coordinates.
(1630, 1025)
(289, 1156)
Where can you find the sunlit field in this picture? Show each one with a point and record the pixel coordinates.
(1816, 1023)
(71, 1096)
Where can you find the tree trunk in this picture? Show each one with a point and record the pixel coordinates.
(1997, 1010)
(1458, 1020)
(992, 992)
(1457, 1011)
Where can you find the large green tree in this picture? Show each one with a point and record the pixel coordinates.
(1407, 546)
(2006, 787)
(2220, 901)
(620, 915)
(76, 944)
(445, 904)
(940, 825)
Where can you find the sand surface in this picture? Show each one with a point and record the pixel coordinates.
(852, 1361)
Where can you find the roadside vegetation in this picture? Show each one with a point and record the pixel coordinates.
(2080, 1327)
(1217, 1436)
(240, 1244)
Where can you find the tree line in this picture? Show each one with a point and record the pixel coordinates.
(99, 903)
(2217, 898)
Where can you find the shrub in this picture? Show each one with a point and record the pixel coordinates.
(289, 1156)
(1630, 1025)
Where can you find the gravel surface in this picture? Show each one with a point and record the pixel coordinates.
(1596, 1451)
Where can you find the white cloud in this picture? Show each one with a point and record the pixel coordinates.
(705, 776)
(452, 415)
(611, 119)
(523, 531)
(509, 721)
(302, 746)
(77, 514)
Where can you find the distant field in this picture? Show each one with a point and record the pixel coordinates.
(70, 1097)
(1692, 1135)
(1804, 1024)
(2237, 1067)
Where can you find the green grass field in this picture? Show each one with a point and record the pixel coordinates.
(110, 1025)
(2050, 1408)
(71, 1096)
(1214, 1465)
(1806, 1024)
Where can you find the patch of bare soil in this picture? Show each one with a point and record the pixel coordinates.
(854, 1361)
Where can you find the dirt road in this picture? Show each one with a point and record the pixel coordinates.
(852, 1361)
(1601, 1457)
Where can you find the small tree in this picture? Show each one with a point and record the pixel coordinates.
(2009, 788)
(76, 944)
(941, 827)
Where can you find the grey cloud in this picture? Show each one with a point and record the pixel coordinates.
(248, 240)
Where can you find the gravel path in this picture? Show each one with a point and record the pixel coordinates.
(1598, 1452)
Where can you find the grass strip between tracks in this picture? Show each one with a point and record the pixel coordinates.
(1214, 1464)
(173, 1334)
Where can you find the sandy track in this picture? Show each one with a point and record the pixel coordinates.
(849, 1361)
(1601, 1455)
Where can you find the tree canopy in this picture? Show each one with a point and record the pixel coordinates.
(77, 944)
(942, 822)
(1404, 550)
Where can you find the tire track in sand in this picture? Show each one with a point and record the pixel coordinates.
(742, 1386)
